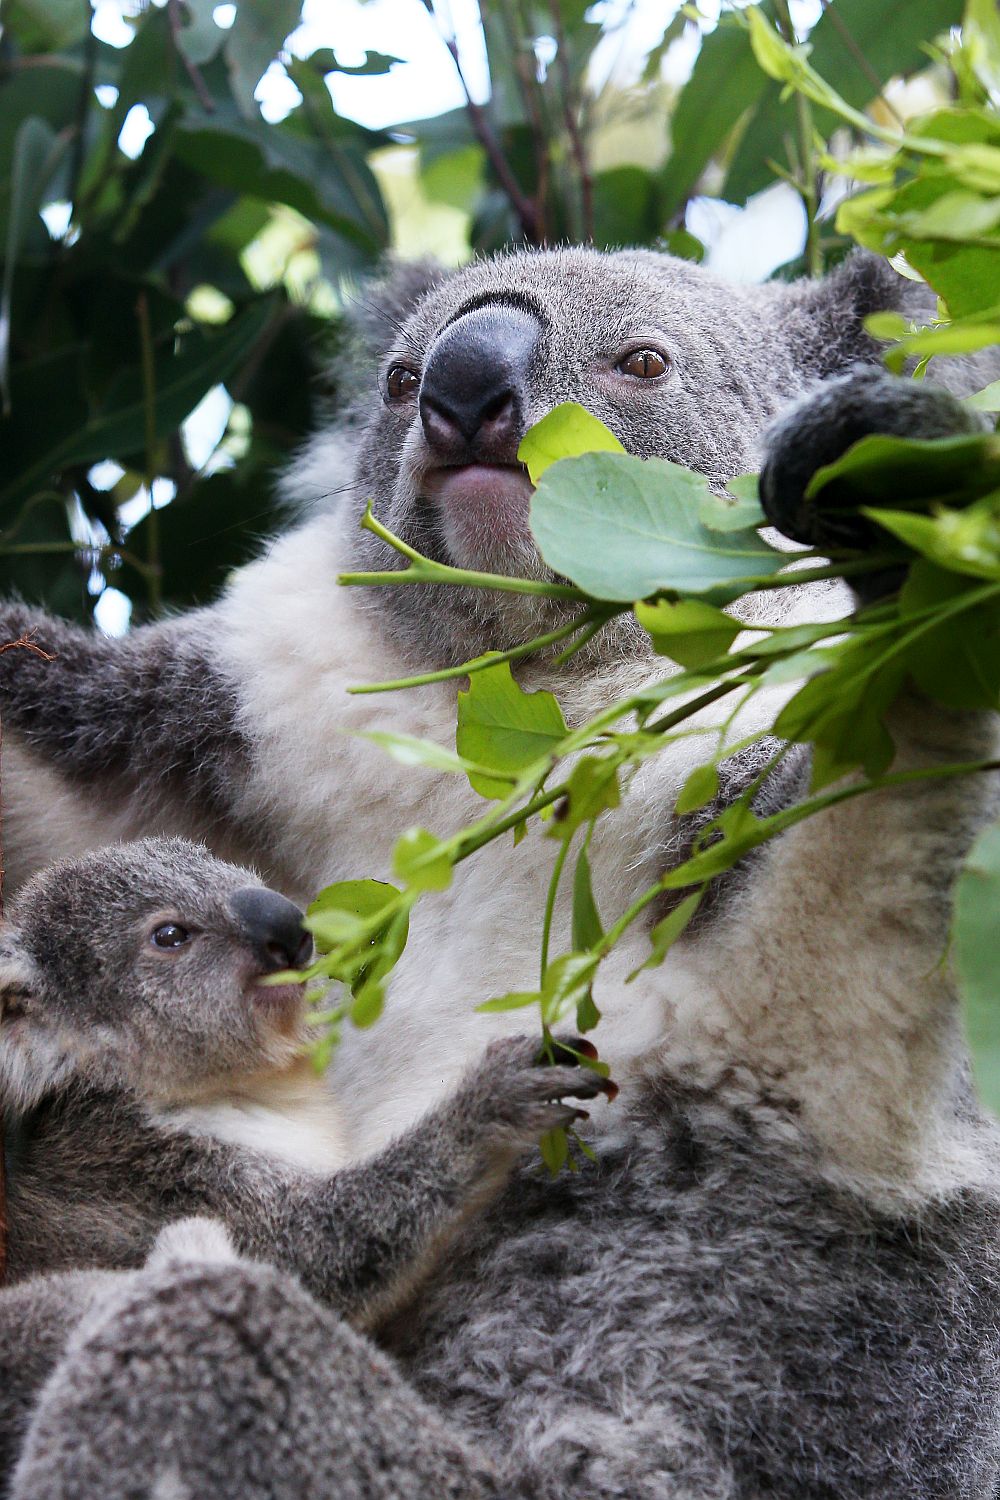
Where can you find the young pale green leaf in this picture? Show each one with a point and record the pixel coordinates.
(516, 1000)
(665, 934)
(739, 513)
(623, 528)
(408, 750)
(691, 632)
(700, 787)
(988, 399)
(368, 1004)
(962, 541)
(567, 982)
(554, 1147)
(587, 1014)
(502, 727)
(592, 788)
(421, 861)
(977, 901)
(565, 432)
(586, 926)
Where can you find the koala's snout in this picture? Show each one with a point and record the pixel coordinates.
(273, 927)
(472, 395)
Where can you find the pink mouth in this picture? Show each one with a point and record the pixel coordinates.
(484, 507)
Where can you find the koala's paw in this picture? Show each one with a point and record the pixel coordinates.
(520, 1097)
(822, 426)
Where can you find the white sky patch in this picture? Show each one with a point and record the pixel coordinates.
(109, 24)
(112, 612)
(203, 430)
(747, 244)
(135, 510)
(106, 95)
(106, 474)
(224, 16)
(135, 131)
(57, 218)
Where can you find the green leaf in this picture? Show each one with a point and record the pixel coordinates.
(957, 661)
(421, 861)
(689, 631)
(554, 1147)
(586, 929)
(46, 25)
(587, 1014)
(735, 831)
(623, 528)
(503, 727)
(988, 399)
(565, 432)
(368, 1004)
(665, 934)
(255, 40)
(592, 788)
(963, 541)
(516, 1000)
(841, 709)
(977, 960)
(567, 982)
(910, 472)
(408, 750)
(37, 152)
(739, 513)
(700, 787)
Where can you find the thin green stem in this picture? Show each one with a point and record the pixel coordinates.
(480, 663)
(550, 906)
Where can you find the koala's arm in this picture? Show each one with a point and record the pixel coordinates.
(361, 1240)
(828, 976)
(154, 709)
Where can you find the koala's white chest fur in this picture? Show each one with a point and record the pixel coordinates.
(337, 803)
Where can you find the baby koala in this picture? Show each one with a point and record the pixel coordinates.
(147, 1074)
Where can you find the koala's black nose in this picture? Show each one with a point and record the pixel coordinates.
(472, 394)
(273, 927)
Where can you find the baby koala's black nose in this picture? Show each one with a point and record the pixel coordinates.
(273, 927)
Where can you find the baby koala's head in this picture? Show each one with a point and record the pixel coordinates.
(141, 966)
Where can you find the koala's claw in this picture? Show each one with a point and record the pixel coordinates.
(527, 1096)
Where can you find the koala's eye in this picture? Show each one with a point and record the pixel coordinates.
(169, 935)
(401, 384)
(644, 364)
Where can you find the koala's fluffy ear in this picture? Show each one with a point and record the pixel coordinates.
(384, 304)
(827, 316)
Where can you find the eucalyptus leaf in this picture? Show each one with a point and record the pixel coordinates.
(689, 631)
(624, 528)
(421, 861)
(565, 432)
(587, 930)
(502, 727)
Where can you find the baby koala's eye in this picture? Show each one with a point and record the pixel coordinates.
(644, 364)
(401, 384)
(169, 935)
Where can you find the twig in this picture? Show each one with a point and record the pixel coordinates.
(520, 202)
(806, 168)
(25, 642)
(843, 31)
(576, 141)
(198, 83)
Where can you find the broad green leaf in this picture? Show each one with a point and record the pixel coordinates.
(699, 788)
(689, 631)
(587, 930)
(503, 727)
(841, 709)
(623, 528)
(956, 661)
(977, 901)
(738, 513)
(368, 1004)
(587, 1014)
(910, 472)
(46, 25)
(666, 932)
(256, 38)
(988, 399)
(564, 432)
(419, 859)
(338, 917)
(37, 151)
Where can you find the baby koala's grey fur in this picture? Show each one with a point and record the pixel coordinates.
(136, 1079)
(203, 1374)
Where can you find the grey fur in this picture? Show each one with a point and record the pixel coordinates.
(213, 1376)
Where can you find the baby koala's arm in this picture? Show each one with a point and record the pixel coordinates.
(363, 1238)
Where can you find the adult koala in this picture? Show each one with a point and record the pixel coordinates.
(780, 1276)
(233, 723)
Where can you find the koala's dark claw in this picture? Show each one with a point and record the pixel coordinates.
(820, 428)
(567, 1051)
